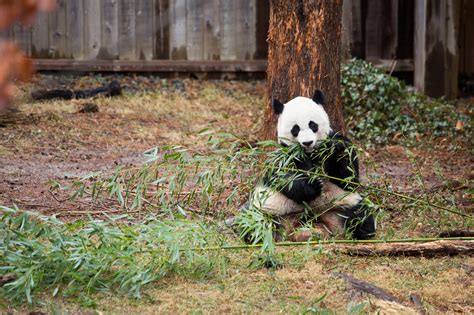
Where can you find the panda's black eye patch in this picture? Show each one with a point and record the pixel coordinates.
(295, 130)
(313, 126)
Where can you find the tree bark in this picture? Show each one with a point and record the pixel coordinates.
(304, 53)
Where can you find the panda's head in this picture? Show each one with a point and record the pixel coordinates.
(302, 120)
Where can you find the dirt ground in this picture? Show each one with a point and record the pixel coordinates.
(52, 140)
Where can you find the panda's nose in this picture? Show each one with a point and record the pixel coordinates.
(308, 143)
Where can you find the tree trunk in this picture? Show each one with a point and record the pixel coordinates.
(304, 53)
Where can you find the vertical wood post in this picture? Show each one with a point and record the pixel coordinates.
(436, 47)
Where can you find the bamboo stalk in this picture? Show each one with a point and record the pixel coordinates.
(325, 242)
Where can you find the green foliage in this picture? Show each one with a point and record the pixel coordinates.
(77, 259)
(381, 109)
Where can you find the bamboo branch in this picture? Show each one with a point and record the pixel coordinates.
(467, 248)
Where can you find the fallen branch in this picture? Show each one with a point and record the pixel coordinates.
(367, 287)
(416, 300)
(457, 233)
(386, 301)
(429, 249)
(111, 89)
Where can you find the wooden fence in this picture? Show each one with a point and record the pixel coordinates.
(146, 30)
(230, 36)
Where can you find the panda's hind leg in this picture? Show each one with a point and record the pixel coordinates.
(293, 229)
(334, 223)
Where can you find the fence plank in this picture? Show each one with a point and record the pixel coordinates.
(178, 30)
(92, 29)
(58, 31)
(466, 38)
(39, 36)
(126, 26)
(435, 70)
(109, 30)
(211, 30)
(261, 29)
(406, 29)
(195, 29)
(381, 29)
(227, 23)
(144, 34)
(22, 36)
(162, 29)
(75, 29)
(245, 25)
(453, 17)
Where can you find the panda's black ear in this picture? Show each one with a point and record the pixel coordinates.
(318, 97)
(277, 106)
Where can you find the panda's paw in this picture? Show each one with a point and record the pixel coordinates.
(317, 187)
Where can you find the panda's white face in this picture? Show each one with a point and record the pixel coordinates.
(303, 121)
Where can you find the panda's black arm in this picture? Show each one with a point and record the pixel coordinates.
(297, 186)
(343, 162)
(302, 190)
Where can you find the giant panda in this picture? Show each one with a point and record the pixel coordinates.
(340, 211)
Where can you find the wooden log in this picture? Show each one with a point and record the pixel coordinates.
(111, 89)
(429, 249)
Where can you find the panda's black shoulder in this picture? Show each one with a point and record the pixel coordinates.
(338, 137)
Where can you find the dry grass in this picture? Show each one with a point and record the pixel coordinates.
(50, 140)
